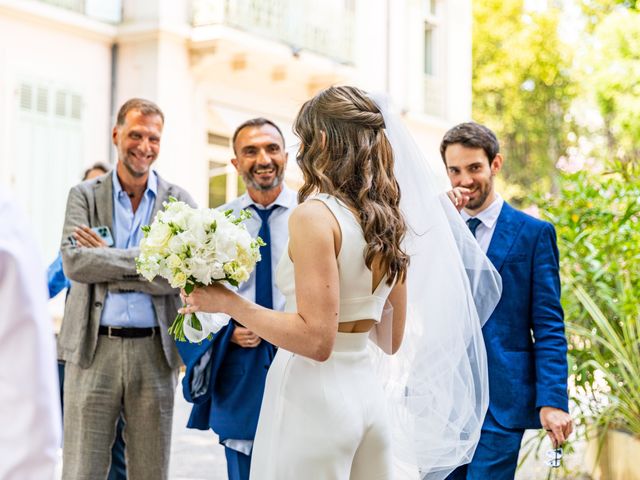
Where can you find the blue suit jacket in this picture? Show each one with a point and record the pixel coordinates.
(225, 382)
(524, 337)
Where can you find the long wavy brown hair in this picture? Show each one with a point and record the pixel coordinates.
(345, 152)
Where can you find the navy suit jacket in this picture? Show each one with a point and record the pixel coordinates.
(225, 382)
(524, 337)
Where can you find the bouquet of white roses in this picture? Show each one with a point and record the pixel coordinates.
(193, 247)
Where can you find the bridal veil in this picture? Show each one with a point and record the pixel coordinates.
(437, 383)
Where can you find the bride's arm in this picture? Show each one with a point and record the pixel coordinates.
(312, 330)
(398, 300)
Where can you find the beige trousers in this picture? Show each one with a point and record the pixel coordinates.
(128, 375)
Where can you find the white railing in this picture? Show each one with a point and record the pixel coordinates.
(325, 28)
(103, 10)
(73, 5)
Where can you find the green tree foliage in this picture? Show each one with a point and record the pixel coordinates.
(595, 10)
(522, 86)
(613, 75)
(597, 218)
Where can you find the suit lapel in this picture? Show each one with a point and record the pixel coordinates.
(103, 191)
(507, 228)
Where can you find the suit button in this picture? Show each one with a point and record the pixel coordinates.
(97, 304)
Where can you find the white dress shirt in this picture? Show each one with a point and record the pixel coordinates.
(489, 218)
(279, 229)
(29, 392)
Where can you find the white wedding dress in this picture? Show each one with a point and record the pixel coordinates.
(328, 420)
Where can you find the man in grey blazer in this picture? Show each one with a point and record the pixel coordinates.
(119, 356)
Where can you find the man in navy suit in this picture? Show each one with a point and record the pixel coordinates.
(225, 376)
(524, 337)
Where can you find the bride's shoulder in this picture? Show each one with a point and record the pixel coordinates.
(311, 214)
(309, 209)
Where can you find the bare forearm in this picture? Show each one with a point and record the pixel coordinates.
(397, 335)
(286, 330)
(398, 299)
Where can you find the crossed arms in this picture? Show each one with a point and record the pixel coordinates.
(93, 262)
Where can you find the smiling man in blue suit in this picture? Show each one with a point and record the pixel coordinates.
(525, 340)
(225, 376)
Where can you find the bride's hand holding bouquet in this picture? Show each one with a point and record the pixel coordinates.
(210, 298)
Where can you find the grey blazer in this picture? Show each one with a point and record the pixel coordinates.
(95, 271)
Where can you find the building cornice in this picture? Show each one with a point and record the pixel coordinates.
(152, 30)
(39, 13)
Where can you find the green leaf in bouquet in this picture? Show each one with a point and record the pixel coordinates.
(244, 215)
(169, 201)
(188, 288)
(146, 229)
(175, 229)
(232, 282)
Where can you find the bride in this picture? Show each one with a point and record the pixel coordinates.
(332, 407)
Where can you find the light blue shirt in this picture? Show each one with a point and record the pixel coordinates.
(133, 309)
(488, 218)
